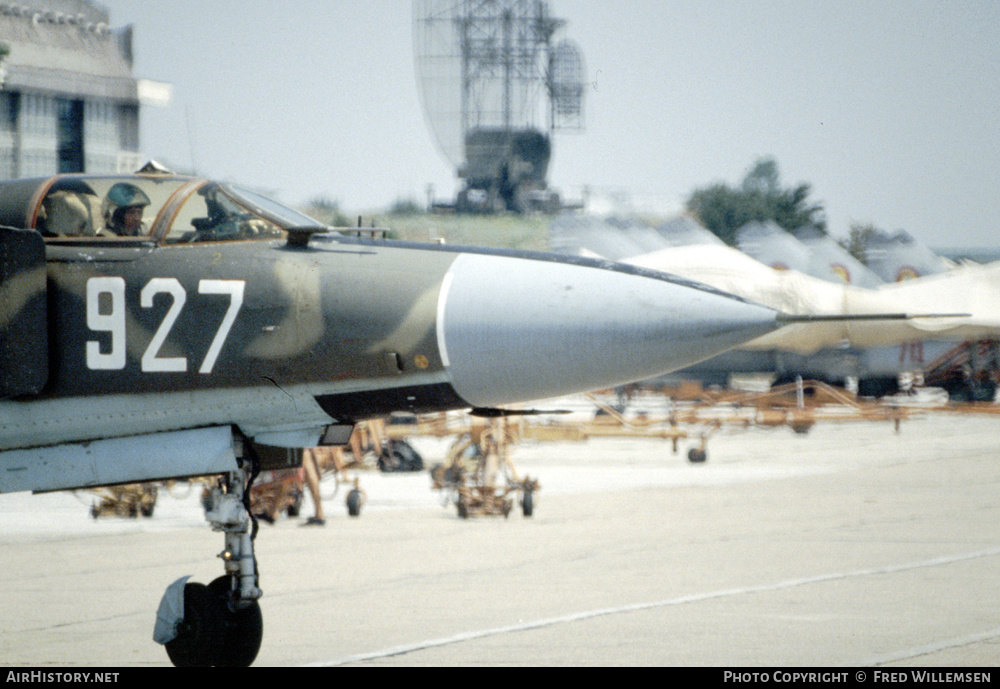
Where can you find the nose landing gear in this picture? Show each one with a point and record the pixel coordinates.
(219, 624)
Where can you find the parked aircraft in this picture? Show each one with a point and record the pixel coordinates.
(683, 230)
(963, 301)
(829, 255)
(831, 352)
(774, 247)
(586, 235)
(808, 251)
(815, 253)
(968, 371)
(154, 326)
(900, 257)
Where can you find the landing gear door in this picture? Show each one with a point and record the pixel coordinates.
(24, 341)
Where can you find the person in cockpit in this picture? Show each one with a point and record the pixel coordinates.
(123, 208)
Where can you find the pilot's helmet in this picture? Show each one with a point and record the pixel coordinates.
(125, 195)
(121, 197)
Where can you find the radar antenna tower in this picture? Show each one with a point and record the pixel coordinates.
(489, 73)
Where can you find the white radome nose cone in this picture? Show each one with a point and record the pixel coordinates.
(556, 328)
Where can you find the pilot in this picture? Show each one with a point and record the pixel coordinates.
(123, 208)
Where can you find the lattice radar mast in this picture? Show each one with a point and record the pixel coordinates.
(495, 86)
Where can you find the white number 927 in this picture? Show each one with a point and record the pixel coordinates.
(106, 312)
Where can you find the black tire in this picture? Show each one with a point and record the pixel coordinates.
(528, 503)
(410, 459)
(696, 455)
(212, 635)
(389, 460)
(240, 632)
(801, 427)
(878, 387)
(354, 502)
(399, 455)
(984, 392)
(296, 507)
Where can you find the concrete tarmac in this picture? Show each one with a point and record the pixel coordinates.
(853, 545)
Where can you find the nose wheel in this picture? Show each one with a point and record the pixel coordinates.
(215, 633)
(219, 624)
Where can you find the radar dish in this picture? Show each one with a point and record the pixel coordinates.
(494, 87)
(566, 78)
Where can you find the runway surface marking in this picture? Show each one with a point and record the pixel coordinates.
(927, 649)
(682, 600)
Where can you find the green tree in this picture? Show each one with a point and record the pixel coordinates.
(760, 197)
(328, 211)
(405, 207)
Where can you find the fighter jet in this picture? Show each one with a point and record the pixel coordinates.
(155, 326)
(958, 305)
(808, 251)
(873, 352)
(774, 247)
(832, 350)
(835, 258)
(896, 258)
(901, 257)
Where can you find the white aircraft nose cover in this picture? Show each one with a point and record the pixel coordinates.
(558, 328)
(170, 613)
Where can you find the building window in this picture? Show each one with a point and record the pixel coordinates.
(70, 135)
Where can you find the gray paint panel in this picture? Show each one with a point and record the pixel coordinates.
(197, 452)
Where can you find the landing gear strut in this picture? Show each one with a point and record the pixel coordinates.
(219, 624)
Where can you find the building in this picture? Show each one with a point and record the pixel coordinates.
(68, 100)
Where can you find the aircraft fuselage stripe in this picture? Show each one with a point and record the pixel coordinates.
(442, 300)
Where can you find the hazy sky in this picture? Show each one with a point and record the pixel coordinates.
(888, 109)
